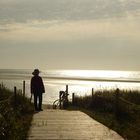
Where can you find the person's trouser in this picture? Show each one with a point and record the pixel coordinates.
(38, 97)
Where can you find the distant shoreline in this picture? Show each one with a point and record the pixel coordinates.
(96, 80)
(69, 78)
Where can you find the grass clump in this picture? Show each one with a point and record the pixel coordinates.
(4, 92)
(15, 117)
(118, 111)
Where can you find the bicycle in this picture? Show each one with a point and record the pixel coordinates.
(62, 101)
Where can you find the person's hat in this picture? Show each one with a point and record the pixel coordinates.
(36, 72)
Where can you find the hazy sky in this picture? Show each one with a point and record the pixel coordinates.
(70, 34)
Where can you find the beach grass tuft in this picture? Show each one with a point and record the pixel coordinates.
(118, 110)
(14, 120)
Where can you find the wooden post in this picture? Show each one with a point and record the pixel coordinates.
(65, 102)
(23, 88)
(92, 97)
(73, 100)
(67, 93)
(117, 101)
(92, 92)
(67, 89)
(15, 96)
(60, 99)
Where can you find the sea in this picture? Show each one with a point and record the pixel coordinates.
(79, 82)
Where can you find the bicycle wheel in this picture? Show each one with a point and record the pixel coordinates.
(56, 104)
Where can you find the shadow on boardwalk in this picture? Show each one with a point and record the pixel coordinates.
(73, 125)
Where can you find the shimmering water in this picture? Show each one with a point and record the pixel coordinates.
(80, 81)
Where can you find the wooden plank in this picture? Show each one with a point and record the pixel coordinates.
(63, 125)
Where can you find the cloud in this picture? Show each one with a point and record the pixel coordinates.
(25, 10)
(70, 33)
(45, 20)
(44, 31)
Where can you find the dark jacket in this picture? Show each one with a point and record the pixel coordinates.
(37, 85)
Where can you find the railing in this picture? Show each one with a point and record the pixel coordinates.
(124, 106)
(11, 109)
(118, 104)
(13, 97)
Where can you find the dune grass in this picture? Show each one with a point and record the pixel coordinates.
(121, 115)
(14, 120)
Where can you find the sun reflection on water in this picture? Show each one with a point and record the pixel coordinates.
(100, 74)
(80, 82)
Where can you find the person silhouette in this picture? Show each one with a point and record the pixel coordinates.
(37, 89)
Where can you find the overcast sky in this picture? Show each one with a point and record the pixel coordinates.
(70, 34)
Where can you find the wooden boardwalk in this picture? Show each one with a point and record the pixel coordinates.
(68, 125)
